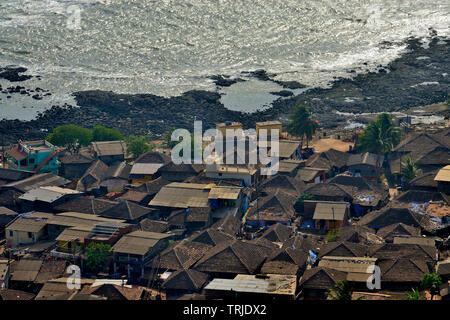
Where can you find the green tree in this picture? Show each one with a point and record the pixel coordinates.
(98, 256)
(137, 145)
(342, 290)
(302, 125)
(380, 136)
(409, 169)
(70, 136)
(431, 282)
(101, 133)
(167, 137)
(415, 295)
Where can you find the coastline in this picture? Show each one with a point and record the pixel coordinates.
(417, 78)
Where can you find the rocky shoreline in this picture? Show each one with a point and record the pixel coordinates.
(417, 78)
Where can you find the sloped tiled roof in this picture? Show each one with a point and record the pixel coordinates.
(126, 210)
(321, 278)
(403, 270)
(343, 249)
(398, 229)
(228, 224)
(86, 205)
(277, 233)
(93, 176)
(233, 257)
(212, 237)
(189, 280)
(181, 256)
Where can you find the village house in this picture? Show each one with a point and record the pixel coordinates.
(141, 198)
(311, 175)
(145, 168)
(228, 259)
(107, 233)
(366, 165)
(428, 150)
(179, 172)
(73, 166)
(424, 182)
(134, 250)
(389, 232)
(91, 180)
(70, 242)
(45, 198)
(289, 149)
(343, 249)
(151, 188)
(35, 181)
(358, 269)
(88, 205)
(269, 126)
(128, 211)
(211, 237)
(315, 282)
(331, 215)
(24, 231)
(109, 152)
(391, 214)
(277, 207)
(8, 175)
(290, 167)
(221, 199)
(36, 156)
(116, 177)
(333, 161)
(287, 261)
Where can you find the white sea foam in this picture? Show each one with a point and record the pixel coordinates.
(167, 47)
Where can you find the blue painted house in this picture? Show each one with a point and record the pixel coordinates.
(36, 156)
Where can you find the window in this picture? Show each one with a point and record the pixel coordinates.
(30, 235)
(11, 233)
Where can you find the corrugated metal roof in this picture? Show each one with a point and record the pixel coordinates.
(145, 168)
(222, 192)
(47, 194)
(274, 284)
(109, 148)
(182, 195)
(138, 242)
(443, 174)
(330, 211)
(27, 225)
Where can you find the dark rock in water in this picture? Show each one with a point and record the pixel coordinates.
(283, 93)
(37, 97)
(290, 84)
(224, 81)
(261, 75)
(12, 74)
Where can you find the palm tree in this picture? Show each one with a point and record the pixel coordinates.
(409, 169)
(342, 290)
(301, 124)
(415, 295)
(380, 136)
(431, 282)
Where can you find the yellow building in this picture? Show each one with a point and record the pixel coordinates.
(269, 125)
(222, 127)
